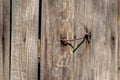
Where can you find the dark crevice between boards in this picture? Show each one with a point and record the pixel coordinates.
(39, 37)
(10, 38)
(3, 44)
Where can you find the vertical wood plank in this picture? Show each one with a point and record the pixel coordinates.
(97, 60)
(6, 38)
(118, 39)
(24, 63)
(1, 39)
(104, 45)
(57, 23)
(83, 23)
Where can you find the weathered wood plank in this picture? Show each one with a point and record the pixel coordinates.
(119, 39)
(6, 38)
(24, 62)
(104, 43)
(96, 60)
(96, 17)
(83, 23)
(57, 23)
(1, 39)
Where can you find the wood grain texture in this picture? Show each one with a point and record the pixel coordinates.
(118, 39)
(97, 60)
(6, 38)
(57, 23)
(24, 62)
(1, 39)
(104, 43)
(82, 24)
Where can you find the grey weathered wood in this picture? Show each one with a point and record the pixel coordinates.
(104, 43)
(1, 41)
(97, 60)
(6, 38)
(24, 63)
(119, 39)
(83, 23)
(57, 23)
